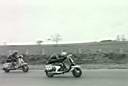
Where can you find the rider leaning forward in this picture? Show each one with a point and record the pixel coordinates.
(13, 58)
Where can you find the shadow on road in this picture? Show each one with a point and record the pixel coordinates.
(64, 77)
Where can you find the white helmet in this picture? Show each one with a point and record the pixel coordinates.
(64, 53)
(20, 56)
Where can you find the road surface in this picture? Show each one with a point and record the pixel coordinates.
(111, 77)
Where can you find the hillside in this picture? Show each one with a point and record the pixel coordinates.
(94, 52)
(74, 48)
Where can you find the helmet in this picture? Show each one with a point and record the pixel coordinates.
(64, 53)
(15, 53)
(20, 56)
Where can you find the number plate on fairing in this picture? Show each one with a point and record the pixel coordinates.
(48, 67)
(6, 65)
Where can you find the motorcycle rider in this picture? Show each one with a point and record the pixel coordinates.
(13, 58)
(58, 59)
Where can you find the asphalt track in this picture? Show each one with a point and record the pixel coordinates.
(111, 77)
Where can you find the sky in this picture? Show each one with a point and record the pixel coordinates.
(26, 21)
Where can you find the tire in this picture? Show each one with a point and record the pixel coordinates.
(6, 70)
(77, 72)
(48, 74)
(25, 68)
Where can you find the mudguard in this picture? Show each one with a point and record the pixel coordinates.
(23, 64)
(73, 67)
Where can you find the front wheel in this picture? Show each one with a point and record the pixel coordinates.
(6, 70)
(48, 74)
(77, 72)
(25, 68)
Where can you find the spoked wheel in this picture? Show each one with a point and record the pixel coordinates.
(25, 68)
(48, 74)
(77, 72)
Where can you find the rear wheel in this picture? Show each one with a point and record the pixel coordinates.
(6, 70)
(48, 74)
(77, 72)
(25, 68)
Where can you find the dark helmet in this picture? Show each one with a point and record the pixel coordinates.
(15, 53)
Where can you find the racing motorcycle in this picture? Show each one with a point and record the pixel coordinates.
(20, 64)
(54, 69)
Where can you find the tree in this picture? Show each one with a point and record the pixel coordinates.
(39, 42)
(118, 38)
(56, 38)
(121, 38)
(106, 41)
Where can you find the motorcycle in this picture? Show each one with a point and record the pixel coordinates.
(53, 69)
(20, 64)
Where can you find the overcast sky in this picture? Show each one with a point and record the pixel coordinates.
(26, 21)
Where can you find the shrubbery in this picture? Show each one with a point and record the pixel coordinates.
(97, 58)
